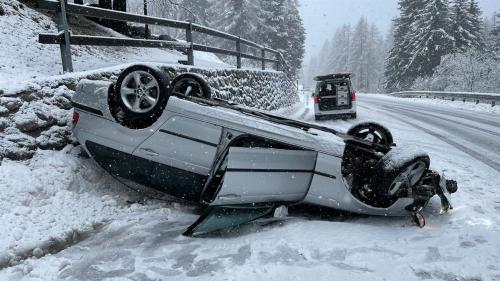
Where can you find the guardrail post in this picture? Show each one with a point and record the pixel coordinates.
(278, 59)
(189, 39)
(238, 56)
(263, 56)
(65, 46)
(146, 27)
(492, 103)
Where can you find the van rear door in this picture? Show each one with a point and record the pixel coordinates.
(334, 95)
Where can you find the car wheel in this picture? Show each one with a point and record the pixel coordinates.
(192, 86)
(372, 132)
(397, 172)
(140, 96)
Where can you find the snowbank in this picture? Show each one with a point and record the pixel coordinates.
(55, 200)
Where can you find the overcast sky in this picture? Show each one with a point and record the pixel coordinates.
(322, 17)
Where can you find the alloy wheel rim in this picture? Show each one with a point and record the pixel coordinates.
(409, 177)
(140, 91)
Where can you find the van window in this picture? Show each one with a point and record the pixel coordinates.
(327, 89)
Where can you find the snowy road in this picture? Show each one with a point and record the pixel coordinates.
(474, 133)
(144, 242)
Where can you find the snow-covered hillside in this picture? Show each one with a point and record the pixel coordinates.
(23, 58)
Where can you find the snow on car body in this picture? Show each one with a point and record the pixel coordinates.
(239, 162)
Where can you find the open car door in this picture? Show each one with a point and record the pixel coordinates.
(252, 183)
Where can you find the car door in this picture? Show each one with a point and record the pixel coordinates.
(182, 151)
(255, 181)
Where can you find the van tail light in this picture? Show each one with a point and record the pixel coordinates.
(76, 117)
(353, 96)
(315, 99)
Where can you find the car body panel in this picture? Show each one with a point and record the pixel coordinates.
(101, 130)
(258, 175)
(173, 181)
(231, 119)
(95, 96)
(329, 192)
(183, 143)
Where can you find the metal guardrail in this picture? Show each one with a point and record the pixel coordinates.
(65, 39)
(491, 98)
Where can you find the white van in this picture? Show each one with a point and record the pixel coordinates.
(334, 97)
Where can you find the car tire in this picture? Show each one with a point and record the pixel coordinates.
(354, 115)
(192, 85)
(139, 96)
(317, 117)
(377, 132)
(396, 172)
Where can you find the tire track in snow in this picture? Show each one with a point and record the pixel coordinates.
(50, 246)
(493, 121)
(470, 152)
(469, 126)
(304, 114)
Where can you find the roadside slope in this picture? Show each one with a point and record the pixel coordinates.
(23, 58)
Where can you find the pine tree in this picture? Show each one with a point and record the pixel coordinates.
(310, 71)
(284, 31)
(400, 53)
(196, 11)
(238, 17)
(358, 62)
(476, 23)
(466, 25)
(496, 33)
(421, 38)
(430, 38)
(375, 60)
(340, 53)
(322, 64)
(461, 25)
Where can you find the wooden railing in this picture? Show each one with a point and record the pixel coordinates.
(65, 38)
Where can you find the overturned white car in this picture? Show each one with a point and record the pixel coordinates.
(166, 132)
